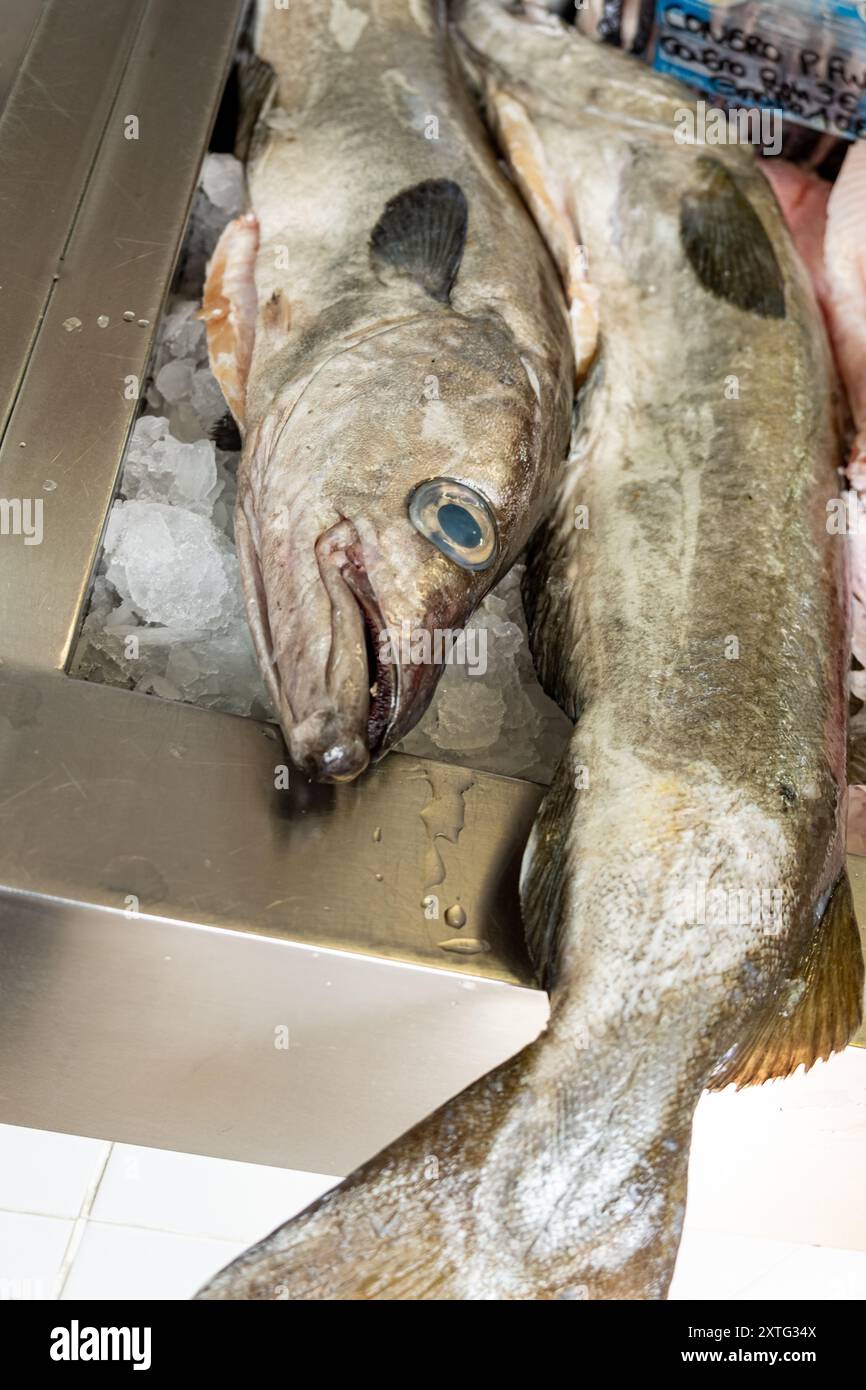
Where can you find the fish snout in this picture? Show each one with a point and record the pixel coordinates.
(328, 746)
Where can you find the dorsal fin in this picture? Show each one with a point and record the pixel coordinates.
(421, 234)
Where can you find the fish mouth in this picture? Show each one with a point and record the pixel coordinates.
(383, 675)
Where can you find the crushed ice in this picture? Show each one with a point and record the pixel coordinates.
(166, 615)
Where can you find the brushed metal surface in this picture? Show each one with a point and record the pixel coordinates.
(72, 415)
(51, 128)
(165, 910)
(153, 1033)
(18, 20)
(107, 795)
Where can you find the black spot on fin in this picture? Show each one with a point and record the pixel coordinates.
(727, 246)
(225, 433)
(422, 233)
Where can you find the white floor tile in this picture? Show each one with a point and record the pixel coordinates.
(31, 1253)
(715, 1265)
(125, 1263)
(782, 1160)
(812, 1273)
(201, 1196)
(46, 1173)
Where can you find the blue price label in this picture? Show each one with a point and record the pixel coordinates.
(806, 60)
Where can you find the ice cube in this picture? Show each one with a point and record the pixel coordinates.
(158, 685)
(195, 475)
(221, 672)
(161, 468)
(224, 182)
(184, 422)
(181, 333)
(174, 380)
(207, 399)
(172, 565)
(501, 720)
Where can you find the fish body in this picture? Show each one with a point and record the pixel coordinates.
(683, 888)
(683, 891)
(409, 353)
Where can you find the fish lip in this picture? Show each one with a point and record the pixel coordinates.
(383, 706)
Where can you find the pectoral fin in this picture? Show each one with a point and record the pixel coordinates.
(229, 310)
(727, 246)
(524, 151)
(421, 234)
(820, 1012)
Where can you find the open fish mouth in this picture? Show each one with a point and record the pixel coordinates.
(350, 722)
(383, 675)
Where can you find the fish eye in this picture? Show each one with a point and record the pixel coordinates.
(457, 520)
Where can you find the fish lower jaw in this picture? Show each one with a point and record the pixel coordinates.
(328, 747)
(382, 673)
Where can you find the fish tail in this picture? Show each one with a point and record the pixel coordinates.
(505, 1192)
(826, 1015)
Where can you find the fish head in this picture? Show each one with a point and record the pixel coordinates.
(377, 507)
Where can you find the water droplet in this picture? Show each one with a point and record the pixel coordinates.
(128, 315)
(377, 834)
(455, 916)
(22, 444)
(103, 321)
(465, 945)
(71, 324)
(49, 485)
(443, 817)
(144, 323)
(379, 877)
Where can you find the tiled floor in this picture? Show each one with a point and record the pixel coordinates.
(80, 1218)
(777, 1205)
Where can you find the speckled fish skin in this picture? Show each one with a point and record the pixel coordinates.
(562, 1174)
(362, 384)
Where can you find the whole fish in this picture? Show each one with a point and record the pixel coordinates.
(683, 890)
(391, 335)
